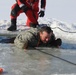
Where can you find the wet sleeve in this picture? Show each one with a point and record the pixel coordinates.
(27, 39)
(21, 42)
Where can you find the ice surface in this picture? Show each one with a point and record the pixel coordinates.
(35, 62)
(41, 61)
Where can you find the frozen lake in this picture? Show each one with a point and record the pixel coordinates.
(41, 61)
(37, 61)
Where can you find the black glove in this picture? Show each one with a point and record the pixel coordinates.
(41, 13)
(58, 42)
(24, 8)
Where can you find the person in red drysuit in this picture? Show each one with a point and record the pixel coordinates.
(30, 8)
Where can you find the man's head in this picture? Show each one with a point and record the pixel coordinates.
(45, 34)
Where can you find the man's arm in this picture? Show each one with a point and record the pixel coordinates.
(43, 4)
(55, 42)
(42, 11)
(20, 42)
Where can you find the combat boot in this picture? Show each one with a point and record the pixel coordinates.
(13, 26)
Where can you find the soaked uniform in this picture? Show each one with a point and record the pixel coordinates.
(32, 12)
(30, 38)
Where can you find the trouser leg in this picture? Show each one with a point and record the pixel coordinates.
(14, 13)
(32, 17)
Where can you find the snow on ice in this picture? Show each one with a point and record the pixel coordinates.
(33, 62)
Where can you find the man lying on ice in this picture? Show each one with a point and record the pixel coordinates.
(37, 37)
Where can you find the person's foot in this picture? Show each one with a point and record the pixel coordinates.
(12, 28)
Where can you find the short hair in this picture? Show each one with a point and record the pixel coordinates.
(46, 28)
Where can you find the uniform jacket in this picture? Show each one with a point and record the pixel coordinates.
(29, 38)
(32, 3)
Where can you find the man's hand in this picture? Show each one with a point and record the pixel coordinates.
(41, 13)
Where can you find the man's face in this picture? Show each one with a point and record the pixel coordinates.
(45, 37)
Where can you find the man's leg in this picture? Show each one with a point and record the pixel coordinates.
(32, 17)
(14, 13)
(7, 40)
